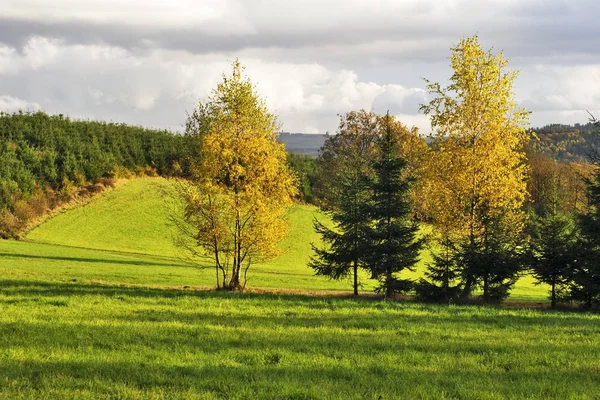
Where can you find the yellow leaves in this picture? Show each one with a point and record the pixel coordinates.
(477, 167)
(241, 172)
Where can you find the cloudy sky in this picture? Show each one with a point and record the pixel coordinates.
(149, 62)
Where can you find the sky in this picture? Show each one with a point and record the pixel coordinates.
(150, 62)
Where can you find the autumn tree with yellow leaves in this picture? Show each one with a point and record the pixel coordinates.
(241, 185)
(476, 181)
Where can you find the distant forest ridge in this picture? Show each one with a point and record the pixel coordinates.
(566, 143)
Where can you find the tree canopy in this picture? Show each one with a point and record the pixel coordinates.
(241, 184)
(477, 177)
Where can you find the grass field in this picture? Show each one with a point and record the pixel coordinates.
(124, 237)
(68, 340)
(97, 304)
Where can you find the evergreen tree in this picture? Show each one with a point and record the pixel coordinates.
(553, 245)
(393, 245)
(344, 249)
(586, 276)
(343, 172)
(493, 259)
(443, 274)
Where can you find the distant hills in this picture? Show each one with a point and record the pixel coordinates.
(302, 143)
(566, 143)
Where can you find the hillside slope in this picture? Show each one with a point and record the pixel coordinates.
(130, 218)
(124, 236)
(131, 224)
(134, 218)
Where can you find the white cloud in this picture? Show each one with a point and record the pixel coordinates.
(11, 104)
(156, 13)
(567, 89)
(157, 88)
(311, 59)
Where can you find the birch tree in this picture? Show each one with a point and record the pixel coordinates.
(241, 185)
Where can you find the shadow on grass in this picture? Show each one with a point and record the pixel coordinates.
(108, 251)
(53, 289)
(372, 313)
(92, 260)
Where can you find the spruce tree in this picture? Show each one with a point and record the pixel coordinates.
(553, 245)
(501, 260)
(586, 276)
(343, 171)
(343, 253)
(392, 245)
(442, 274)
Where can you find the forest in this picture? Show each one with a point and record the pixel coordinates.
(47, 160)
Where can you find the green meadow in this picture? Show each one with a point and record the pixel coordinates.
(97, 302)
(71, 340)
(124, 237)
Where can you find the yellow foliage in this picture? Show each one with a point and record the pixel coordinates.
(241, 184)
(476, 169)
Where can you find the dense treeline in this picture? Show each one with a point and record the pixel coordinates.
(305, 168)
(45, 159)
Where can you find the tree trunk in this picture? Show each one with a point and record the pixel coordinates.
(469, 281)
(553, 296)
(466, 293)
(235, 280)
(355, 267)
(486, 289)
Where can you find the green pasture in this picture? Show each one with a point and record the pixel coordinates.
(98, 303)
(124, 237)
(84, 341)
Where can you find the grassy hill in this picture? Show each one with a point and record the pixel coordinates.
(124, 236)
(94, 305)
(132, 218)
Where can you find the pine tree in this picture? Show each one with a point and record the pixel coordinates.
(494, 258)
(343, 171)
(586, 277)
(554, 249)
(443, 274)
(393, 245)
(344, 250)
